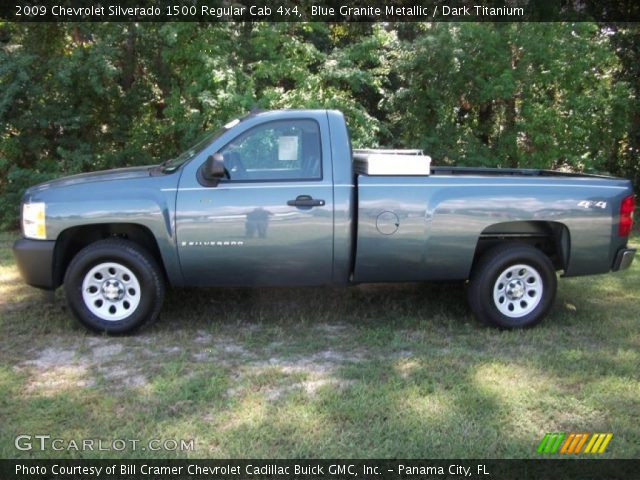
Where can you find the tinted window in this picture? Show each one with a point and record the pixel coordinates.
(281, 150)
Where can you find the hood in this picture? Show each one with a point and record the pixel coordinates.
(101, 176)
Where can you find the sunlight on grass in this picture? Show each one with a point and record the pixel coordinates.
(9, 275)
(428, 407)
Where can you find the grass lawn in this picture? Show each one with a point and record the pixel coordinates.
(371, 371)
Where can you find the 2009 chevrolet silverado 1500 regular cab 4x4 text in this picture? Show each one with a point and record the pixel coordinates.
(280, 198)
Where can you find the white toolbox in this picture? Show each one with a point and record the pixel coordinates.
(391, 162)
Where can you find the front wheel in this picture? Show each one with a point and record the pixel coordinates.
(512, 286)
(114, 286)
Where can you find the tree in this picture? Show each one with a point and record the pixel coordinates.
(512, 95)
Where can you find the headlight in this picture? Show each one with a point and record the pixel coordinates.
(33, 221)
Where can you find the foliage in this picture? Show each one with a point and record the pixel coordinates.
(81, 97)
(513, 95)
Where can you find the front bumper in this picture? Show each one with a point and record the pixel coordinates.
(35, 262)
(624, 258)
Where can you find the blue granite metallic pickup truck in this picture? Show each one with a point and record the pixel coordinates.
(280, 198)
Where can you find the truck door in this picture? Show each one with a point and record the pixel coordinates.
(271, 221)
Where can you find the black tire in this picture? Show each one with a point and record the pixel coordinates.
(123, 286)
(504, 295)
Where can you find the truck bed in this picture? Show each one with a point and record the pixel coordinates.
(419, 228)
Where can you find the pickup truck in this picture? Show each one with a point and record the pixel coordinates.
(280, 198)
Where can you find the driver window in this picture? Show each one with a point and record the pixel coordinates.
(282, 150)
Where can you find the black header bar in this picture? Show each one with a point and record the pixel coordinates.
(320, 10)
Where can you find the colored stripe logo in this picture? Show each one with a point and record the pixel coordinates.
(574, 443)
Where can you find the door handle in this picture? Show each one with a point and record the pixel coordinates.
(305, 201)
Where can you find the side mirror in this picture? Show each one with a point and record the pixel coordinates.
(213, 167)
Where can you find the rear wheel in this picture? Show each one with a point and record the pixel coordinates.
(114, 286)
(512, 286)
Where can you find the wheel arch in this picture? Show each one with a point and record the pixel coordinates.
(74, 239)
(550, 237)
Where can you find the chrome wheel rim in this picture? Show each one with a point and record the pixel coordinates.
(518, 291)
(111, 291)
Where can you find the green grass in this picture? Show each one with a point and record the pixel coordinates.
(370, 371)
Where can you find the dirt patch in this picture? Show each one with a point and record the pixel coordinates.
(106, 352)
(324, 362)
(55, 369)
(220, 350)
(203, 337)
(124, 376)
(62, 365)
(52, 357)
(310, 388)
(332, 328)
(131, 362)
(301, 374)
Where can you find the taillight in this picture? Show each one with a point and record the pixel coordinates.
(627, 207)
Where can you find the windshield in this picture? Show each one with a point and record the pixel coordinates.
(172, 164)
